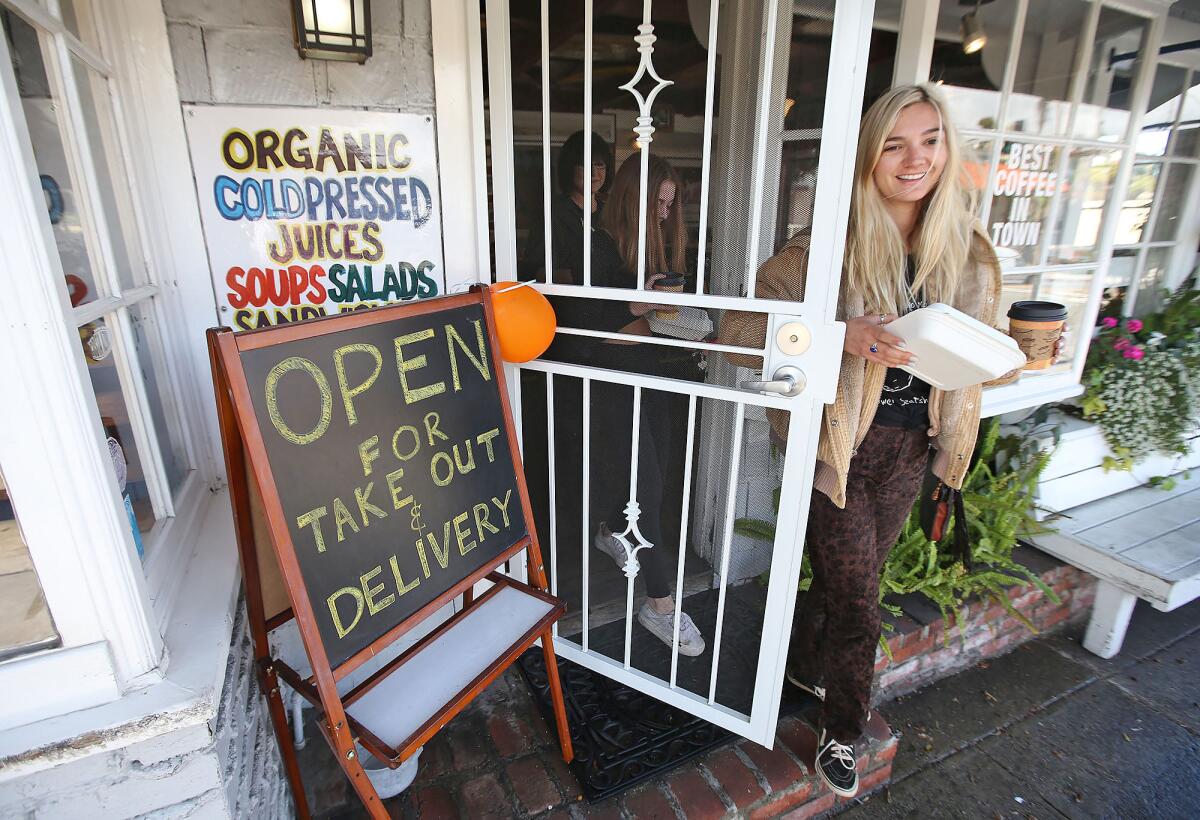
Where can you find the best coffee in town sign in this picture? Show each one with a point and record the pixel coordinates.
(311, 212)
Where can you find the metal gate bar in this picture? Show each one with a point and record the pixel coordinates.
(587, 450)
(735, 462)
(683, 528)
(553, 496)
(709, 85)
(632, 513)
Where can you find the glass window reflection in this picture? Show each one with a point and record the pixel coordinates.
(1103, 112)
(971, 82)
(1040, 99)
(1088, 181)
(25, 622)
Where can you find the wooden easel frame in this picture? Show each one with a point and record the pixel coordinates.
(251, 482)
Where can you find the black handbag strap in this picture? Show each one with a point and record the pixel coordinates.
(962, 537)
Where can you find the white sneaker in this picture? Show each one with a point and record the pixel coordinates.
(816, 691)
(662, 626)
(608, 544)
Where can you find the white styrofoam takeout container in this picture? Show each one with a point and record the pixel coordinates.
(954, 350)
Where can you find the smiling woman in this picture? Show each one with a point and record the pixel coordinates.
(913, 157)
(912, 239)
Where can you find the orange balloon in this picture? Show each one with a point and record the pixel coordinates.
(525, 321)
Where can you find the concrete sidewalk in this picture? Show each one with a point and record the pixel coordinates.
(1052, 731)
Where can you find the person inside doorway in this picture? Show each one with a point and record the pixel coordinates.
(913, 239)
(576, 185)
(613, 263)
(664, 244)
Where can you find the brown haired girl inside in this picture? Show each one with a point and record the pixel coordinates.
(612, 405)
(912, 241)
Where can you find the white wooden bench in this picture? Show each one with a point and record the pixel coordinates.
(1140, 543)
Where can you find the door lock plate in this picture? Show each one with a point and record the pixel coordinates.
(793, 339)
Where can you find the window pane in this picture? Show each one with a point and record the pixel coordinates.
(70, 17)
(1165, 95)
(977, 161)
(1153, 284)
(1089, 178)
(1121, 271)
(1186, 141)
(1021, 196)
(1135, 210)
(1170, 207)
(97, 341)
(147, 341)
(797, 188)
(1069, 288)
(25, 622)
(111, 182)
(1041, 94)
(971, 82)
(1104, 110)
(58, 184)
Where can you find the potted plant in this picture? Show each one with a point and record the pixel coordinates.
(1142, 381)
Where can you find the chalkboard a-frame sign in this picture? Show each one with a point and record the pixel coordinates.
(376, 452)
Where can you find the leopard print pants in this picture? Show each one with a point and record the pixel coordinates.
(836, 628)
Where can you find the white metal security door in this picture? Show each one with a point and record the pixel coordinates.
(734, 498)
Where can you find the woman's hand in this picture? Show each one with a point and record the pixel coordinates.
(1061, 343)
(866, 337)
(1058, 349)
(642, 308)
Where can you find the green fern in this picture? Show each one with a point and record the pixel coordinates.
(998, 499)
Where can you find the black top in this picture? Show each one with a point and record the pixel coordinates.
(608, 271)
(905, 399)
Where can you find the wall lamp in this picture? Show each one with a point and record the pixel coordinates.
(332, 29)
(973, 36)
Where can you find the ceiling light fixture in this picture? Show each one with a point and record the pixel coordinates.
(973, 36)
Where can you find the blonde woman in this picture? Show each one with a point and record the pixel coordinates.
(912, 241)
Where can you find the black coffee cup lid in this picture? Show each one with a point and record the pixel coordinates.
(671, 279)
(1032, 311)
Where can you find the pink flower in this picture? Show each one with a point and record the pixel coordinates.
(1108, 322)
(1121, 343)
(1134, 353)
(1134, 325)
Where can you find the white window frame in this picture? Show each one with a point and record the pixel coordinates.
(1181, 254)
(110, 610)
(919, 20)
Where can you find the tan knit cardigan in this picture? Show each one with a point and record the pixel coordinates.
(953, 415)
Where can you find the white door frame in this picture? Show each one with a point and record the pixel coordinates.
(463, 159)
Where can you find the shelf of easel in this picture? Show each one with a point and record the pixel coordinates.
(396, 710)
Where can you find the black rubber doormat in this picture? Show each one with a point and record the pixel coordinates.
(623, 737)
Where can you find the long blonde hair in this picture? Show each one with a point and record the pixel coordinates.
(875, 253)
(666, 242)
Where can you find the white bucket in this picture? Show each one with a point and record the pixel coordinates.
(388, 782)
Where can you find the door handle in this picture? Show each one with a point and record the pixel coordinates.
(789, 380)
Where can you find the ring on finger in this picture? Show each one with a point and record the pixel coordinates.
(882, 316)
(874, 348)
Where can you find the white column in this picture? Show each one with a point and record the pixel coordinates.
(462, 159)
(914, 49)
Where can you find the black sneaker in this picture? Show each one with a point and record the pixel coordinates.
(835, 765)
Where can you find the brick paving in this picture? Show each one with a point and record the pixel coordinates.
(499, 759)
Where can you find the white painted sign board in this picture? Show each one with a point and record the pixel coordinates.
(310, 212)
